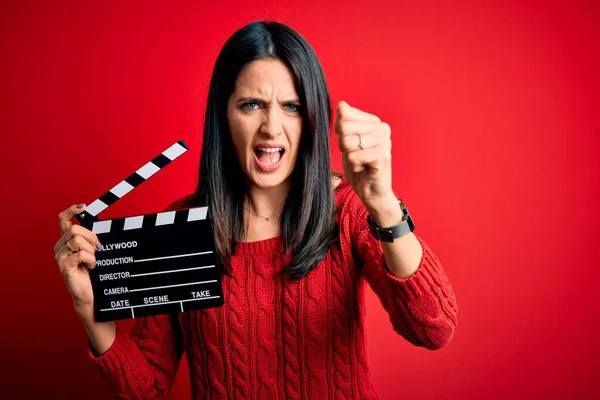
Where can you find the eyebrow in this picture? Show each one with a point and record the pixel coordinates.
(259, 100)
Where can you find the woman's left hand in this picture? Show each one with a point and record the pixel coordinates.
(366, 147)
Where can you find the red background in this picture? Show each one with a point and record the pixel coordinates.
(494, 113)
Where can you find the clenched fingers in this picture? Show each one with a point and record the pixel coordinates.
(79, 243)
(70, 263)
(350, 143)
(77, 230)
(374, 158)
(346, 112)
(347, 127)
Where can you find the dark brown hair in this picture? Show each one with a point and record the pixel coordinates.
(308, 216)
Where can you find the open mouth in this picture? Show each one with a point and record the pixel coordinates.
(269, 156)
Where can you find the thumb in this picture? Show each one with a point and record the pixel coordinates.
(65, 218)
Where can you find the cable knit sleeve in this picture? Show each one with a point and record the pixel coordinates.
(143, 364)
(422, 307)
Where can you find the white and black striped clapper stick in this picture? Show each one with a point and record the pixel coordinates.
(91, 212)
(154, 263)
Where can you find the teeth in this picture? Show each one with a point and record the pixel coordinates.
(270, 149)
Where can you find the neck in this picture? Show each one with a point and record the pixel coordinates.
(267, 201)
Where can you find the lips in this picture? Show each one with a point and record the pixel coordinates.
(268, 157)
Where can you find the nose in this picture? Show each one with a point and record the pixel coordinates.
(272, 124)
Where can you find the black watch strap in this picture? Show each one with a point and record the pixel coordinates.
(393, 232)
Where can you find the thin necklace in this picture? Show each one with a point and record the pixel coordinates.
(265, 218)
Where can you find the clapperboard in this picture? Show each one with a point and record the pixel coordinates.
(153, 263)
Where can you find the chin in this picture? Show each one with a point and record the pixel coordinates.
(266, 181)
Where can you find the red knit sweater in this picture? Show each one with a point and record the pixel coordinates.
(279, 338)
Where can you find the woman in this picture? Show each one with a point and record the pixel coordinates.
(293, 240)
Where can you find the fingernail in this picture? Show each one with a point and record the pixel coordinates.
(80, 205)
(98, 246)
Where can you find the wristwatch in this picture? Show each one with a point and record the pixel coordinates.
(393, 232)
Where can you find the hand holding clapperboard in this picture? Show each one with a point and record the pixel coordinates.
(154, 263)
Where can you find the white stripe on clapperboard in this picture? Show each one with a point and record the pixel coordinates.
(174, 151)
(163, 218)
(96, 207)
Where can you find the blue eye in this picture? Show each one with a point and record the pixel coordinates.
(245, 106)
(295, 107)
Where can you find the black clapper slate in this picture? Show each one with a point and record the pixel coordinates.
(154, 263)
(155, 269)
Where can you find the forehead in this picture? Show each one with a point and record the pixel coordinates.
(265, 77)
